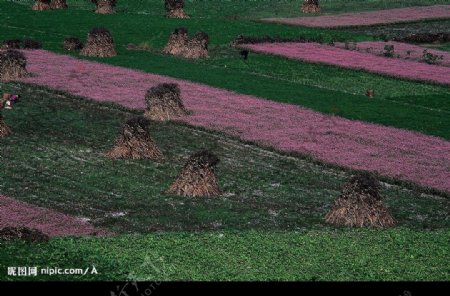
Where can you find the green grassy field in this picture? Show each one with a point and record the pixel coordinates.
(269, 224)
(340, 255)
(403, 104)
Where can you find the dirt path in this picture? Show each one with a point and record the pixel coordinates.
(393, 152)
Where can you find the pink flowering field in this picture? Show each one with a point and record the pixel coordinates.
(401, 50)
(326, 54)
(401, 154)
(388, 16)
(14, 213)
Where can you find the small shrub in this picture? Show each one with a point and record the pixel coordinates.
(31, 44)
(389, 51)
(430, 58)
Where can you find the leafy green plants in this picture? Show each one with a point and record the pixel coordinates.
(389, 50)
(430, 58)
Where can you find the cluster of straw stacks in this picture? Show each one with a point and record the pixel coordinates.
(179, 44)
(47, 4)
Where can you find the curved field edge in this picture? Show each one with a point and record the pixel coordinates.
(323, 88)
(54, 160)
(339, 255)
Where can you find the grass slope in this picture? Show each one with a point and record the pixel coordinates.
(55, 159)
(322, 88)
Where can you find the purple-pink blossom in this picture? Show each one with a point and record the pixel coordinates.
(14, 213)
(393, 152)
(401, 50)
(326, 54)
(388, 16)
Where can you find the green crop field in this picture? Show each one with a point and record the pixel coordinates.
(269, 222)
(362, 255)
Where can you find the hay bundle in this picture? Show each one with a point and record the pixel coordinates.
(179, 44)
(99, 44)
(11, 44)
(104, 6)
(41, 5)
(310, 6)
(12, 65)
(164, 102)
(360, 204)
(135, 142)
(197, 178)
(31, 44)
(23, 233)
(175, 9)
(197, 46)
(58, 4)
(72, 44)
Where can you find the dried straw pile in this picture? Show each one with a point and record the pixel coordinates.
(12, 65)
(164, 102)
(360, 205)
(175, 9)
(41, 5)
(310, 6)
(104, 6)
(58, 4)
(135, 142)
(197, 178)
(99, 44)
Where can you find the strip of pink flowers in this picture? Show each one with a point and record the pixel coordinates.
(397, 153)
(388, 16)
(401, 50)
(14, 213)
(321, 53)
